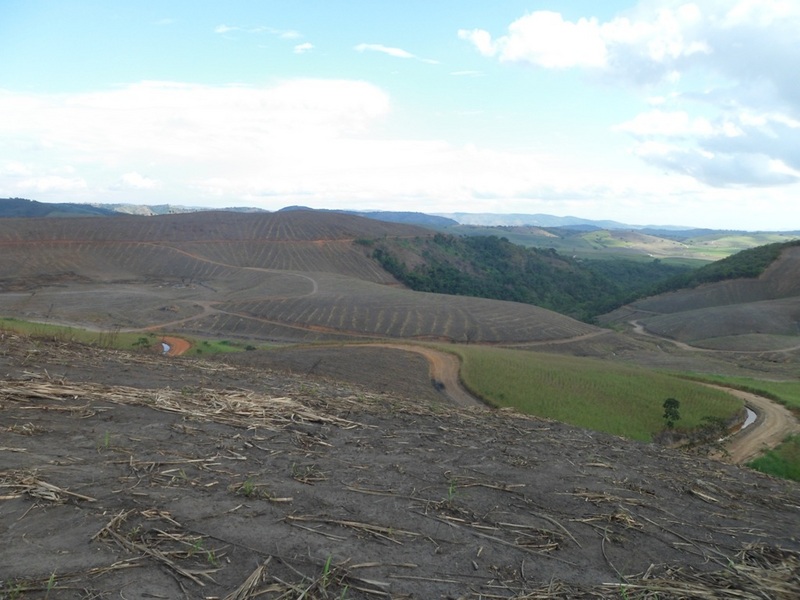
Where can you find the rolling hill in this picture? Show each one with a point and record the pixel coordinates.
(288, 276)
(761, 313)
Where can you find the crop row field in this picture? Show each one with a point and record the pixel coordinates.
(774, 321)
(155, 278)
(596, 394)
(349, 306)
(190, 261)
(339, 256)
(204, 226)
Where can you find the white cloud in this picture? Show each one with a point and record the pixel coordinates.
(670, 124)
(16, 168)
(714, 63)
(225, 28)
(303, 48)
(396, 52)
(51, 183)
(286, 34)
(314, 142)
(545, 39)
(136, 181)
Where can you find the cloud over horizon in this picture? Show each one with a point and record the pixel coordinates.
(730, 113)
(300, 140)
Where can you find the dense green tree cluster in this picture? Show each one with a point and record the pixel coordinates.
(493, 267)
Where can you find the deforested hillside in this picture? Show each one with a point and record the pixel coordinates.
(757, 313)
(301, 225)
(289, 276)
(191, 247)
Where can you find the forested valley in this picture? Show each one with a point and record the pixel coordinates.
(493, 267)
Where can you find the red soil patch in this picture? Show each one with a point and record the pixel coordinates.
(177, 346)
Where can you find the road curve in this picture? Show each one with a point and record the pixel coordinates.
(444, 368)
(177, 346)
(773, 423)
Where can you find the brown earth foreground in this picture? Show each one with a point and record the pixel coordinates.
(177, 478)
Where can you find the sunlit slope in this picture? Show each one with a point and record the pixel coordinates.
(741, 314)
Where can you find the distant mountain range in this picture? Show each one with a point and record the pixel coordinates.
(541, 220)
(21, 208)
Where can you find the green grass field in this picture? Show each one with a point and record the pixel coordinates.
(618, 399)
(114, 339)
(103, 339)
(784, 392)
(783, 461)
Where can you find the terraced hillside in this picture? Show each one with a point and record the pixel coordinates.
(742, 314)
(287, 276)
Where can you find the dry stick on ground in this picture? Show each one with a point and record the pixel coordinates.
(376, 530)
(760, 573)
(110, 529)
(37, 488)
(248, 588)
(232, 407)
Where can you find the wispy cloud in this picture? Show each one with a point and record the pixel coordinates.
(395, 52)
(225, 28)
(467, 73)
(303, 48)
(286, 34)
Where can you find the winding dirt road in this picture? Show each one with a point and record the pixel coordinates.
(773, 423)
(444, 368)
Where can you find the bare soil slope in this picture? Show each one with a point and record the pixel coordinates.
(178, 478)
(294, 276)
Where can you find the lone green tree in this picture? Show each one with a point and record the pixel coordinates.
(671, 412)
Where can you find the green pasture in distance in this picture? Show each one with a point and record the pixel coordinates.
(114, 339)
(618, 399)
(62, 333)
(783, 461)
(785, 392)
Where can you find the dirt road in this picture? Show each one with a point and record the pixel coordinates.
(444, 369)
(773, 423)
(177, 346)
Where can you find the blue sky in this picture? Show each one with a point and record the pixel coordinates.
(651, 112)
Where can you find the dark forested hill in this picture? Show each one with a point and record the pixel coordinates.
(20, 207)
(493, 267)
